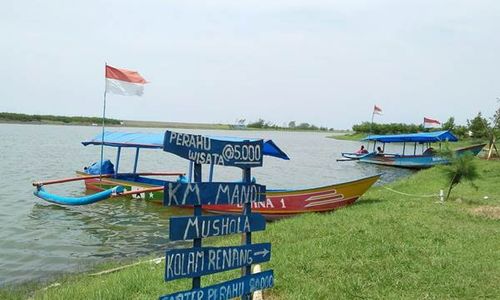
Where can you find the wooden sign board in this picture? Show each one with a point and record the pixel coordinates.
(188, 228)
(204, 150)
(195, 262)
(206, 193)
(229, 289)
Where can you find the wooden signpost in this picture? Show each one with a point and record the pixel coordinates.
(188, 228)
(245, 285)
(189, 263)
(204, 150)
(206, 193)
(200, 261)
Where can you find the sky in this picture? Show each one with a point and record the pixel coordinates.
(322, 62)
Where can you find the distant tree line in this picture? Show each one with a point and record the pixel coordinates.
(392, 128)
(478, 127)
(50, 118)
(292, 125)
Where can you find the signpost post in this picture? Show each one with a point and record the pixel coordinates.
(200, 261)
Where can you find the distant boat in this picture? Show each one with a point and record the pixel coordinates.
(354, 155)
(425, 159)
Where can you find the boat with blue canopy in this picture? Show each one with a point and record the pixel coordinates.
(417, 150)
(104, 178)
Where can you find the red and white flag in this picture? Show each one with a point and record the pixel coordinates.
(124, 82)
(430, 123)
(377, 110)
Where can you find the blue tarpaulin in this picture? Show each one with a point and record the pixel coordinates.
(421, 137)
(155, 141)
(128, 139)
(106, 168)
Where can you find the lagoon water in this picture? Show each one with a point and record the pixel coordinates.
(39, 240)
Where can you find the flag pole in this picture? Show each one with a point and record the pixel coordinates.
(103, 119)
(371, 124)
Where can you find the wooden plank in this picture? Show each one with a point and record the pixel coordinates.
(247, 236)
(197, 242)
(187, 228)
(227, 290)
(188, 263)
(204, 150)
(207, 193)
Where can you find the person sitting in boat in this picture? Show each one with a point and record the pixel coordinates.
(428, 151)
(362, 150)
(379, 150)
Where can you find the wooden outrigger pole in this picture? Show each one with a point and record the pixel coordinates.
(54, 181)
(48, 182)
(492, 146)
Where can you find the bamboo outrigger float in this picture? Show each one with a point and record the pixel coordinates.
(108, 182)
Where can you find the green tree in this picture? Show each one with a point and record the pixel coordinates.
(479, 126)
(304, 126)
(392, 128)
(292, 125)
(259, 124)
(460, 131)
(496, 118)
(449, 124)
(462, 167)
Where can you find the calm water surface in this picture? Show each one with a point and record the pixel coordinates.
(40, 240)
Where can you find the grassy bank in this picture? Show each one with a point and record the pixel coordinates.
(349, 136)
(387, 245)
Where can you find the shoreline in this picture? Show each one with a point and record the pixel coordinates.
(398, 246)
(180, 125)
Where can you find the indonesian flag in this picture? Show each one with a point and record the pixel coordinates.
(124, 82)
(429, 123)
(377, 110)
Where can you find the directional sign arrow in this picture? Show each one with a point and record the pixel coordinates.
(264, 252)
(195, 262)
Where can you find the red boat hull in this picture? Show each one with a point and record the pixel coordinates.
(280, 204)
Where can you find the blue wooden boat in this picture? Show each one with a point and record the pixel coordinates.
(108, 181)
(410, 158)
(354, 155)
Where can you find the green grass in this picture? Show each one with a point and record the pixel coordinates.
(387, 246)
(349, 136)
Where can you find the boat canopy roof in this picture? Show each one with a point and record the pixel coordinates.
(155, 141)
(420, 137)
